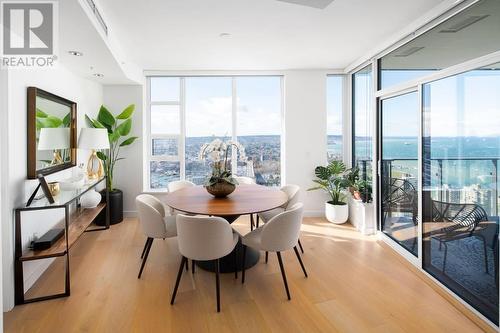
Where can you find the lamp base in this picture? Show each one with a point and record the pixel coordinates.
(95, 169)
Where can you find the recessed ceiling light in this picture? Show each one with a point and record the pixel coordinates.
(98, 75)
(75, 53)
(224, 35)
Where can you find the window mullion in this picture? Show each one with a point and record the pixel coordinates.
(234, 159)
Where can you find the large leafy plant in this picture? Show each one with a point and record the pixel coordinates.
(332, 179)
(119, 128)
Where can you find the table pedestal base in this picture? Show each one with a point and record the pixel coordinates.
(226, 264)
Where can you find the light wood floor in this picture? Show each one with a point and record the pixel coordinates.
(355, 285)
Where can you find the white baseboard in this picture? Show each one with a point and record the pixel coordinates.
(129, 213)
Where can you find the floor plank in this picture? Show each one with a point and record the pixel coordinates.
(355, 285)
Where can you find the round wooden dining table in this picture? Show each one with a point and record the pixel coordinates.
(245, 200)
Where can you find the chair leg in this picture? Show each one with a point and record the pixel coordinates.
(145, 247)
(179, 274)
(267, 256)
(283, 275)
(150, 242)
(236, 262)
(445, 254)
(257, 223)
(243, 264)
(187, 265)
(301, 248)
(300, 260)
(192, 266)
(251, 222)
(217, 284)
(485, 256)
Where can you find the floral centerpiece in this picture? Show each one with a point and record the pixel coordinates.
(220, 183)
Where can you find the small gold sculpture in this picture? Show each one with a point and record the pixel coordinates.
(54, 188)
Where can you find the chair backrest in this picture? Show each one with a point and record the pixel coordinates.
(463, 214)
(203, 237)
(293, 194)
(151, 213)
(179, 184)
(282, 231)
(244, 180)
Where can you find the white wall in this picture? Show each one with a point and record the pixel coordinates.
(3, 165)
(128, 173)
(59, 81)
(304, 134)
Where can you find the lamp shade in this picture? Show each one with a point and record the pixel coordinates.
(54, 138)
(93, 138)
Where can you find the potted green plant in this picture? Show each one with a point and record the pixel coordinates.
(364, 191)
(332, 179)
(352, 179)
(119, 128)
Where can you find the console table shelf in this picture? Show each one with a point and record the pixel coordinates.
(80, 222)
(74, 224)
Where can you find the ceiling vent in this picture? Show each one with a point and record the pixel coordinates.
(98, 16)
(468, 21)
(408, 51)
(320, 4)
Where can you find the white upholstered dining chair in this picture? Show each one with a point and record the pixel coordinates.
(293, 194)
(247, 181)
(204, 238)
(178, 185)
(279, 234)
(155, 223)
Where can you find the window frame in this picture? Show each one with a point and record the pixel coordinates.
(181, 102)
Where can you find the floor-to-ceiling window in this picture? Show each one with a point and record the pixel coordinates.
(208, 116)
(334, 121)
(362, 121)
(186, 112)
(461, 153)
(439, 182)
(399, 133)
(259, 127)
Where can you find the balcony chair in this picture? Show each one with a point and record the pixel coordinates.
(463, 219)
(204, 238)
(279, 234)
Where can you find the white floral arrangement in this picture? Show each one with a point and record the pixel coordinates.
(217, 151)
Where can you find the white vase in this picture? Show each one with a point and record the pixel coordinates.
(90, 199)
(337, 214)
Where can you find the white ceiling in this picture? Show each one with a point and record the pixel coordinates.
(265, 34)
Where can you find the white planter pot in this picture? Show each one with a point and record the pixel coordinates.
(337, 214)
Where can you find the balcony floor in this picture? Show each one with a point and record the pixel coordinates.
(355, 284)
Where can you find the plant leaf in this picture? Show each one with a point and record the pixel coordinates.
(113, 137)
(125, 127)
(322, 172)
(66, 120)
(127, 112)
(105, 117)
(50, 122)
(41, 114)
(102, 156)
(128, 141)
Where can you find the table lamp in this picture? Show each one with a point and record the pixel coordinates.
(92, 139)
(54, 139)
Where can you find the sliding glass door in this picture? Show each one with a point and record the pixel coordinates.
(461, 153)
(399, 132)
